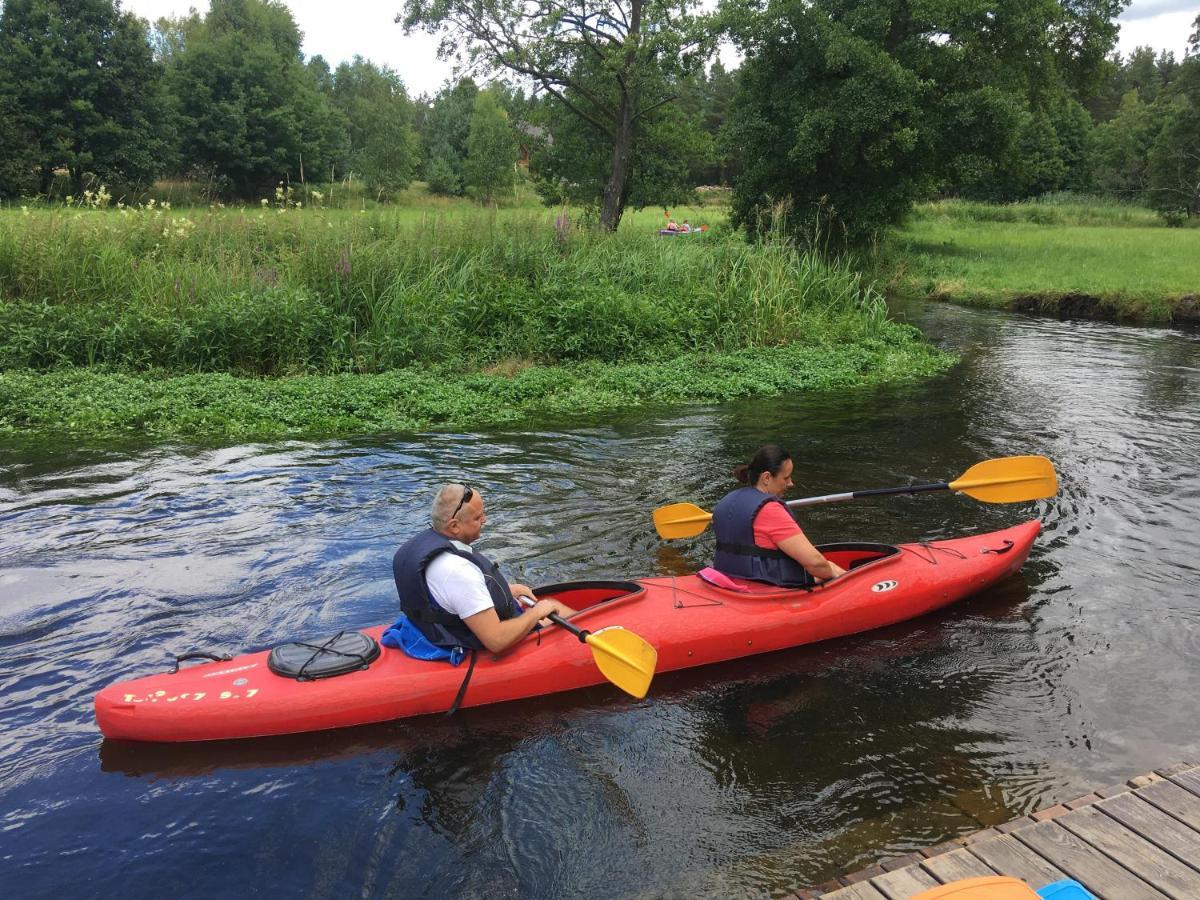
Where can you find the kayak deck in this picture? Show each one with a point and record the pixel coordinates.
(689, 621)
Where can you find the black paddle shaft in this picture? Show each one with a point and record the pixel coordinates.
(559, 620)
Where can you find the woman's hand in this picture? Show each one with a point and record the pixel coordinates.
(837, 570)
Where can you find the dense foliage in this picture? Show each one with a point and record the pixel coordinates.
(382, 146)
(491, 150)
(848, 112)
(293, 291)
(610, 65)
(843, 115)
(79, 90)
(164, 323)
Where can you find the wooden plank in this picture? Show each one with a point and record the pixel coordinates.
(1189, 779)
(1008, 856)
(1155, 826)
(1084, 863)
(955, 865)
(1171, 798)
(860, 891)
(1144, 859)
(903, 883)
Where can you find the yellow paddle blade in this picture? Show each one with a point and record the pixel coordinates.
(680, 520)
(1010, 479)
(625, 659)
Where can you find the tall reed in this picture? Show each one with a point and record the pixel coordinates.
(285, 291)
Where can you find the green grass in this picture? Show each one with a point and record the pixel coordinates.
(1114, 257)
(266, 321)
(274, 292)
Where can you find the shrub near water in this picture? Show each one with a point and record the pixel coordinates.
(286, 292)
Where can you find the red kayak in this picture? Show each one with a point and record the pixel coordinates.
(689, 621)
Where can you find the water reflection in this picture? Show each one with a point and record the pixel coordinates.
(752, 778)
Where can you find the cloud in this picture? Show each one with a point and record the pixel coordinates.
(1148, 9)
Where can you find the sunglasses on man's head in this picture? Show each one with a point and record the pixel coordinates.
(466, 498)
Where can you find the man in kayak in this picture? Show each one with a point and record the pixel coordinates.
(455, 596)
(757, 536)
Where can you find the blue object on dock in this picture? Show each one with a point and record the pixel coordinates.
(1067, 889)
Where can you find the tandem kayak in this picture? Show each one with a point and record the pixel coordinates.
(688, 620)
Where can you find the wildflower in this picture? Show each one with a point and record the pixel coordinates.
(24, 210)
(265, 201)
(150, 203)
(166, 206)
(317, 195)
(70, 199)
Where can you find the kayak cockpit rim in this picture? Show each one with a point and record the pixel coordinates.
(587, 597)
(852, 556)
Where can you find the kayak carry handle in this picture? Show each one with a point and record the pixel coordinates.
(199, 654)
(1008, 545)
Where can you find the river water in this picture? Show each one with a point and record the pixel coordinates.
(753, 778)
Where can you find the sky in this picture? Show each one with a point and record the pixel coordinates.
(338, 31)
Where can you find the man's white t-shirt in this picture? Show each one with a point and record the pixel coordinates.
(457, 584)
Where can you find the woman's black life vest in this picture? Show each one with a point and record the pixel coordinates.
(443, 628)
(737, 555)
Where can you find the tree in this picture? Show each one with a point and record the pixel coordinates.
(446, 124)
(1173, 165)
(574, 166)
(1123, 146)
(382, 146)
(849, 110)
(608, 63)
(720, 93)
(251, 114)
(441, 172)
(491, 150)
(1082, 34)
(80, 91)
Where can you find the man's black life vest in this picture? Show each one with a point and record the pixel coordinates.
(443, 628)
(733, 521)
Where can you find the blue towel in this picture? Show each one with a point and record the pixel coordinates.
(404, 635)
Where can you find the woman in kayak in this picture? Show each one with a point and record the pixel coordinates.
(757, 535)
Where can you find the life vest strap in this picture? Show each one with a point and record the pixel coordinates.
(747, 550)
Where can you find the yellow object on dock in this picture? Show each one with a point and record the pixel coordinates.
(993, 887)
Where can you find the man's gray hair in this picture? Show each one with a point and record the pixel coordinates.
(445, 500)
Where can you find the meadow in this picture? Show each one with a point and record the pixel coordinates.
(1065, 255)
(291, 318)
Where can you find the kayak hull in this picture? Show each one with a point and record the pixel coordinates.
(689, 622)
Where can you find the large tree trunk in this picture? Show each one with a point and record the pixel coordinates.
(615, 191)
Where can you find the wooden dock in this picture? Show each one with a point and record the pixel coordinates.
(1135, 841)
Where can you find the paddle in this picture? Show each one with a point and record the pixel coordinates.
(623, 657)
(1009, 479)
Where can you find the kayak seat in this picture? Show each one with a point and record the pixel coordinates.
(345, 652)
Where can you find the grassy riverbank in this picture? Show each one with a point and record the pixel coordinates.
(286, 321)
(1088, 259)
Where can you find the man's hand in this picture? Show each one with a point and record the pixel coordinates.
(521, 590)
(543, 608)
